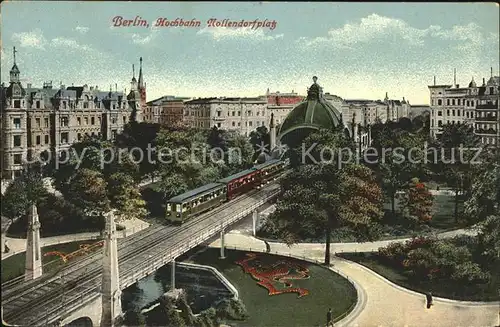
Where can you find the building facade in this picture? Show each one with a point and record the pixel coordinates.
(280, 105)
(238, 114)
(167, 110)
(477, 106)
(49, 119)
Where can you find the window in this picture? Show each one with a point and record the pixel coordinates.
(38, 140)
(448, 112)
(18, 159)
(218, 125)
(17, 140)
(467, 114)
(218, 113)
(37, 121)
(46, 122)
(38, 104)
(47, 139)
(234, 123)
(453, 112)
(79, 120)
(113, 120)
(458, 113)
(440, 113)
(491, 89)
(17, 123)
(440, 123)
(64, 138)
(453, 102)
(64, 121)
(232, 113)
(468, 103)
(124, 119)
(239, 113)
(99, 120)
(263, 123)
(64, 104)
(249, 123)
(239, 124)
(472, 103)
(440, 102)
(432, 123)
(17, 103)
(86, 120)
(92, 120)
(86, 105)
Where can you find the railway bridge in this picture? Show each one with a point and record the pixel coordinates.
(90, 288)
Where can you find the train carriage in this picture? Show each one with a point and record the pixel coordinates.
(240, 183)
(269, 171)
(183, 206)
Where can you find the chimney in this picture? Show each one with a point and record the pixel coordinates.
(434, 80)
(28, 85)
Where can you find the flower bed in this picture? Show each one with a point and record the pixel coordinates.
(278, 273)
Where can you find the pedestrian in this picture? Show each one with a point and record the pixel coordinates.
(329, 321)
(429, 299)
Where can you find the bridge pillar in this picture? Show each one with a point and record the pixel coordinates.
(172, 282)
(254, 222)
(222, 256)
(110, 289)
(33, 267)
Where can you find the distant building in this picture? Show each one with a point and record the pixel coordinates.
(167, 110)
(474, 105)
(280, 105)
(419, 109)
(239, 114)
(49, 119)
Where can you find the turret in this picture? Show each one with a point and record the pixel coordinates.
(272, 133)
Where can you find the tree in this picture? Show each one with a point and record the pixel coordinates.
(260, 139)
(485, 191)
(319, 197)
(126, 197)
(456, 165)
(88, 191)
(417, 202)
(21, 193)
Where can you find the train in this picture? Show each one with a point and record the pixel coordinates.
(194, 202)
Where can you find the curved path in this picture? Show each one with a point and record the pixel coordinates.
(18, 245)
(382, 303)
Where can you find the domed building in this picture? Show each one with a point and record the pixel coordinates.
(313, 114)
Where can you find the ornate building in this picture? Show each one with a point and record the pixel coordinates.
(50, 119)
(167, 110)
(474, 105)
(280, 104)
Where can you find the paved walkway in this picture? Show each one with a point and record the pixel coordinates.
(18, 245)
(381, 303)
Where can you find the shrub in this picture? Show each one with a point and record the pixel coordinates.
(231, 309)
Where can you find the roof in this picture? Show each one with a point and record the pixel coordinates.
(197, 191)
(313, 114)
(267, 163)
(237, 175)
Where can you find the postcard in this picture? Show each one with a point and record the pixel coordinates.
(250, 164)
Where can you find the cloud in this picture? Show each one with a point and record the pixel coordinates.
(220, 33)
(375, 27)
(82, 29)
(33, 39)
(62, 42)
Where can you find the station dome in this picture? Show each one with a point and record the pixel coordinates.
(314, 113)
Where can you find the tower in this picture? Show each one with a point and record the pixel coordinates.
(141, 84)
(33, 268)
(134, 98)
(272, 134)
(110, 288)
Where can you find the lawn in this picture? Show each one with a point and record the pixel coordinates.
(440, 288)
(13, 266)
(327, 290)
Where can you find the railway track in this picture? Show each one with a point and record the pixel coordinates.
(45, 299)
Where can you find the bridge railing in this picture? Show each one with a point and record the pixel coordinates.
(190, 242)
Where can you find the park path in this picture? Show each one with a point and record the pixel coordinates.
(381, 303)
(18, 245)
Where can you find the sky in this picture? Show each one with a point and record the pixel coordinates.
(357, 50)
